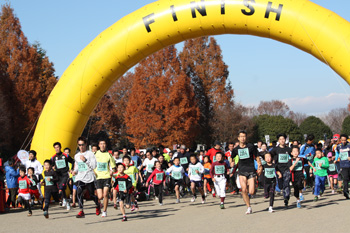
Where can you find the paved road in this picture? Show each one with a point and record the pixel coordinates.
(329, 214)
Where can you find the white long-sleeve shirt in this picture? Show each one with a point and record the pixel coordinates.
(85, 170)
(38, 168)
(176, 172)
(192, 171)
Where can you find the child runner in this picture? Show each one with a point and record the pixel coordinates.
(342, 155)
(321, 165)
(296, 167)
(133, 173)
(176, 171)
(195, 171)
(217, 173)
(332, 171)
(24, 191)
(33, 188)
(148, 163)
(208, 183)
(269, 170)
(123, 185)
(50, 182)
(158, 177)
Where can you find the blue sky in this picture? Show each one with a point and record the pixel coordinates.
(260, 69)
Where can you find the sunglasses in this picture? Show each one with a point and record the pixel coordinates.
(81, 144)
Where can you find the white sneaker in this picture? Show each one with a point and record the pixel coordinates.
(249, 210)
(333, 191)
(193, 199)
(161, 204)
(271, 210)
(64, 203)
(68, 206)
(177, 201)
(156, 198)
(104, 214)
(203, 200)
(205, 194)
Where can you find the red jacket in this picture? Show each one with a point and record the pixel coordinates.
(211, 153)
(24, 184)
(154, 174)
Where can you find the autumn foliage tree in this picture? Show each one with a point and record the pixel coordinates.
(27, 78)
(203, 63)
(162, 107)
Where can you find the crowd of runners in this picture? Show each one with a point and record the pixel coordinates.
(125, 177)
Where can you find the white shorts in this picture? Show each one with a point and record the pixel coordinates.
(25, 196)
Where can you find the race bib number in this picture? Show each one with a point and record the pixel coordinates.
(283, 158)
(176, 175)
(183, 160)
(206, 171)
(194, 171)
(343, 155)
(298, 166)
(122, 186)
(101, 167)
(33, 182)
(150, 166)
(48, 183)
(270, 173)
(22, 184)
(219, 170)
(159, 176)
(263, 162)
(60, 164)
(319, 164)
(310, 157)
(82, 167)
(331, 167)
(243, 153)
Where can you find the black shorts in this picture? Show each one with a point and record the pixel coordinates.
(100, 184)
(174, 182)
(198, 184)
(209, 180)
(248, 175)
(125, 197)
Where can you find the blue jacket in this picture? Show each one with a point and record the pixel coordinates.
(11, 177)
(343, 152)
(308, 152)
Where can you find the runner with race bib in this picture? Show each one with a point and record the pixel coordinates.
(176, 173)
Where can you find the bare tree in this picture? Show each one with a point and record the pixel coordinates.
(334, 119)
(297, 117)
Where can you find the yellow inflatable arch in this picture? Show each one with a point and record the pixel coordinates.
(300, 23)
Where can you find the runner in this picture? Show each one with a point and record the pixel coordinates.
(342, 155)
(123, 185)
(158, 179)
(148, 163)
(281, 156)
(105, 161)
(38, 168)
(332, 172)
(60, 165)
(177, 172)
(296, 167)
(133, 173)
(208, 182)
(308, 151)
(247, 174)
(195, 171)
(85, 163)
(33, 188)
(320, 170)
(269, 170)
(24, 191)
(217, 172)
(50, 183)
(212, 152)
(184, 158)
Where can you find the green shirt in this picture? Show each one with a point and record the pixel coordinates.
(321, 170)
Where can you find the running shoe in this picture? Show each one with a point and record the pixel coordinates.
(321, 193)
(333, 191)
(115, 206)
(98, 210)
(249, 210)
(298, 204)
(214, 195)
(177, 201)
(68, 206)
(316, 198)
(124, 219)
(104, 214)
(301, 197)
(193, 199)
(81, 214)
(74, 205)
(271, 209)
(46, 214)
(132, 208)
(64, 203)
(29, 213)
(161, 204)
(286, 202)
(222, 206)
(233, 192)
(203, 200)
(346, 195)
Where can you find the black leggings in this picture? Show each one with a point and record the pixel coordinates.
(25, 203)
(159, 192)
(81, 186)
(12, 197)
(309, 179)
(48, 194)
(298, 184)
(345, 172)
(270, 192)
